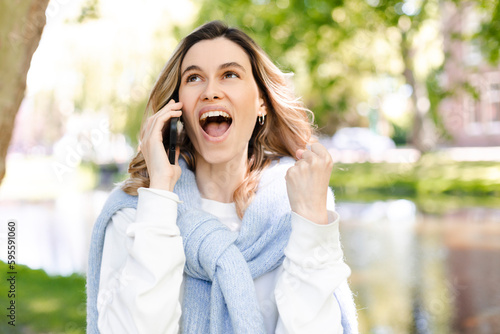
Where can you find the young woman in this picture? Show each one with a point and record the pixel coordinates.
(240, 235)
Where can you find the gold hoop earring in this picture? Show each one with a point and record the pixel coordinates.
(261, 119)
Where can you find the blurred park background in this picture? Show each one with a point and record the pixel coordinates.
(406, 96)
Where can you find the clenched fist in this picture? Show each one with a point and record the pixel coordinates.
(307, 183)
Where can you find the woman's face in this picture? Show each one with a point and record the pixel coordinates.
(221, 100)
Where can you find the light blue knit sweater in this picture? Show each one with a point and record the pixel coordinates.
(219, 293)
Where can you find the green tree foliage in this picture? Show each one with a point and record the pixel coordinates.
(333, 47)
(310, 39)
(489, 34)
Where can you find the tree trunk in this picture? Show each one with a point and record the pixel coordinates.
(21, 26)
(423, 134)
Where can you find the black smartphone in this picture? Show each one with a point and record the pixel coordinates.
(170, 138)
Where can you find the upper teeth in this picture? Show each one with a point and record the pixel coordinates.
(214, 114)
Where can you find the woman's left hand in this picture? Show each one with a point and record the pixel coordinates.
(307, 183)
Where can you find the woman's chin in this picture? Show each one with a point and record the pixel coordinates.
(214, 156)
(221, 155)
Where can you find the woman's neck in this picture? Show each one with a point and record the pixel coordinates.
(219, 181)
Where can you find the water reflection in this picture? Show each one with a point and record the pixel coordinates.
(54, 235)
(412, 273)
(417, 273)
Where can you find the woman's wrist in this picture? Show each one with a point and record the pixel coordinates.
(162, 185)
(317, 216)
(163, 182)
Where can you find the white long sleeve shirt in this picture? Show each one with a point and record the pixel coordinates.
(140, 289)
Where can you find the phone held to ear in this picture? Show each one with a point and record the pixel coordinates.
(170, 138)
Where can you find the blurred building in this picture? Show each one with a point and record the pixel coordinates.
(472, 114)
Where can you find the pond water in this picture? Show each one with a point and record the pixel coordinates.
(416, 273)
(411, 272)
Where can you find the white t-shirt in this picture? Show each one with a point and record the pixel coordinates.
(140, 289)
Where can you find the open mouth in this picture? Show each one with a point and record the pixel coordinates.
(215, 123)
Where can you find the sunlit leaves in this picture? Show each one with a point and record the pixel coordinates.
(333, 46)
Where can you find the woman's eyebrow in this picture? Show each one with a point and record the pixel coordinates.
(191, 68)
(221, 67)
(232, 64)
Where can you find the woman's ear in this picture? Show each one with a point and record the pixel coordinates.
(262, 108)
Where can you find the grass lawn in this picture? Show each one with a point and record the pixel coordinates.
(434, 184)
(44, 304)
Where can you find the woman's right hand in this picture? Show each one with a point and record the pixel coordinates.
(162, 175)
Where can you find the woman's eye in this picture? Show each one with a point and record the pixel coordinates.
(192, 78)
(230, 75)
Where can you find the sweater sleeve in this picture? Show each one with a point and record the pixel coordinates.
(313, 268)
(143, 259)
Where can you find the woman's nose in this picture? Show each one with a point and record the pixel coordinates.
(212, 92)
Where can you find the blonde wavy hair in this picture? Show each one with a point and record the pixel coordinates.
(288, 125)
